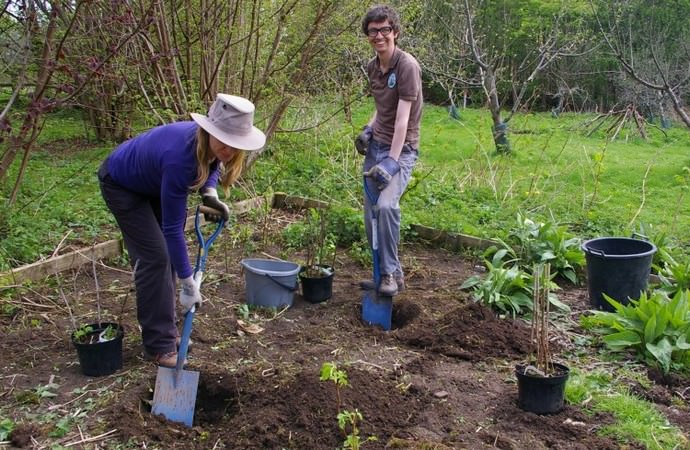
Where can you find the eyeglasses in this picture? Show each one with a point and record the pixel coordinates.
(385, 31)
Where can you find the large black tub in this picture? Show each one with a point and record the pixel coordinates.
(618, 267)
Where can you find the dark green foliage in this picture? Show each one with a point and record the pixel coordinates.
(505, 288)
(673, 272)
(539, 243)
(655, 327)
(346, 224)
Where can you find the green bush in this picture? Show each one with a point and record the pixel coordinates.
(655, 327)
(508, 290)
(673, 272)
(346, 224)
(541, 243)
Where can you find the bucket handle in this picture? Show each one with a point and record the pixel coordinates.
(284, 286)
(596, 251)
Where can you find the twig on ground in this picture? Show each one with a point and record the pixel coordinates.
(366, 363)
(53, 407)
(271, 256)
(115, 269)
(100, 437)
(98, 289)
(24, 302)
(57, 249)
(280, 313)
(69, 310)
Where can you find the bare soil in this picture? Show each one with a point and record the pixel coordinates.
(442, 378)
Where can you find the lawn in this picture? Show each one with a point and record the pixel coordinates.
(555, 174)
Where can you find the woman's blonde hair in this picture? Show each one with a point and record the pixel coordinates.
(229, 172)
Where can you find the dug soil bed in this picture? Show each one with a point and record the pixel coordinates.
(442, 378)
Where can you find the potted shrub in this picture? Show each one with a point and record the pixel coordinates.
(99, 348)
(316, 275)
(98, 344)
(541, 381)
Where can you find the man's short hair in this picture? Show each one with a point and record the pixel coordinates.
(379, 13)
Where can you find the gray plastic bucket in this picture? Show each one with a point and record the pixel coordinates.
(270, 283)
(618, 267)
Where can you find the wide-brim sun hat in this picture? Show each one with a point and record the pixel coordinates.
(231, 120)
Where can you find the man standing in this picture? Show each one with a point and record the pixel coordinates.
(390, 140)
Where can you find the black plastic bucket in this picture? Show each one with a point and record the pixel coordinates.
(618, 267)
(100, 358)
(317, 289)
(542, 395)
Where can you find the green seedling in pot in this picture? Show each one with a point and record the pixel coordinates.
(86, 334)
(319, 243)
(82, 334)
(108, 334)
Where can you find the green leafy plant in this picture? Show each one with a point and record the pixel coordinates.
(346, 419)
(660, 239)
(346, 224)
(86, 334)
(673, 272)
(539, 243)
(108, 334)
(655, 327)
(243, 311)
(330, 372)
(83, 333)
(506, 287)
(319, 244)
(351, 418)
(6, 427)
(507, 290)
(34, 396)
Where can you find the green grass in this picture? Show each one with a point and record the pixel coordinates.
(555, 173)
(59, 199)
(551, 175)
(636, 420)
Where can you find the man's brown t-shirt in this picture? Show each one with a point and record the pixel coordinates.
(403, 81)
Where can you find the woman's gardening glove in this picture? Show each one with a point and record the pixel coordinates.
(209, 197)
(190, 294)
(383, 172)
(362, 141)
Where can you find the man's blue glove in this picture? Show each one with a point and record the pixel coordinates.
(362, 141)
(383, 172)
(209, 197)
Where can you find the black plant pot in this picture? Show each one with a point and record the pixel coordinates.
(99, 358)
(317, 283)
(541, 395)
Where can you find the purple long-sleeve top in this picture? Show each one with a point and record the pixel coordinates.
(162, 163)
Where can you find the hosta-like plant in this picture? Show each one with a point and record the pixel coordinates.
(505, 288)
(656, 327)
(541, 243)
(673, 272)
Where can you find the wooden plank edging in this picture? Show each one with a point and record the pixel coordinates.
(114, 247)
(282, 200)
(42, 269)
(453, 241)
(109, 249)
